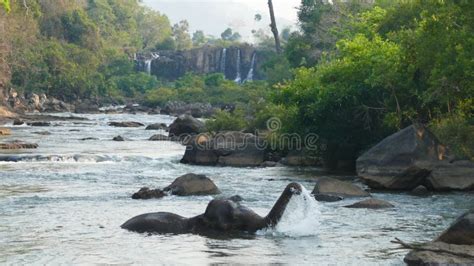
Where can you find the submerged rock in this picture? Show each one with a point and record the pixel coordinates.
(118, 138)
(126, 124)
(159, 137)
(371, 204)
(420, 191)
(42, 133)
(147, 193)
(192, 184)
(157, 126)
(330, 189)
(413, 157)
(17, 145)
(39, 124)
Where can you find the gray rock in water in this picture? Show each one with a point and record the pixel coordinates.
(126, 124)
(157, 126)
(461, 231)
(226, 149)
(18, 122)
(420, 191)
(413, 157)
(39, 124)
(192, 184)
(186, 124)
(159, 137)
(327, 198)
(147, 193)
(332, 188)
(371, 204)
(447, 248)
(17, 145)
(118, 138)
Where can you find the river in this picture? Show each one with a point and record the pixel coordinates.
(65, 202)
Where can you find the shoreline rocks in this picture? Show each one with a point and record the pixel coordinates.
(126, 124)
(185, 125)
(18, 145)
(413, 157)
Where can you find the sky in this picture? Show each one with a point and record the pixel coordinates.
(214, 16)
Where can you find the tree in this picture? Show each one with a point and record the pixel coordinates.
(5, 4)
(181, 35)
(199, 38)
(274, 28)
(153, 28)
(227, 34)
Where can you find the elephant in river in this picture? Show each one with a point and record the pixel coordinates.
(221, 215)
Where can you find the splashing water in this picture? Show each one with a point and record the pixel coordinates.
(301, 217)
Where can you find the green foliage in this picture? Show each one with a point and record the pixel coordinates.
(181, 35)
(160, 96)
(229, 35)
(6, 5)
(457, 133)
(226, 121)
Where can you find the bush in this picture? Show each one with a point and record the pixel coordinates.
(457, 134)
(226, 121)
(159, 97)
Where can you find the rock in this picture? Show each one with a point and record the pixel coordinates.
(43, 133)
(371, 204)
(39, 124)
(403, 160)
(89, 138)
(461, 231)
(332, 187)
(147, 193)
(18, 122)
(420, 191)
(17, 145)
(126, 124)
(327, 198)
(458, 175)
(226, 149)
(55, 105)
(192, 184)
(196, 110)
(300, 158)
(86, 107)
(457, 239)
(186, 125)
(157, 126)
(159, 137)
(269, 164)
(118, 138)
(5, 132)
(425, 257)
(136, 108)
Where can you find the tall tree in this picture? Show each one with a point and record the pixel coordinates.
(274, 28)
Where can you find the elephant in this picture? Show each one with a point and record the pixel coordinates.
(221, 215)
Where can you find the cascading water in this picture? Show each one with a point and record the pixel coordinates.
(148, 62)
(223, 60)
(301, 217)
(238, 79)
(252, 67)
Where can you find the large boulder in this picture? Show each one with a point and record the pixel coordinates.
(126, 124)
(461, 231)
(413, 157)
(186, 125)
(226, 149)
(330, 189)
(192, 184)
(447, 248)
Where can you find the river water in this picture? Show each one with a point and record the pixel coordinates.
(66, 206)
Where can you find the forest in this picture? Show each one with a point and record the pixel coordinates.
(353, 72)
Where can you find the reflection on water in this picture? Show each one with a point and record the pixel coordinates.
(64, 203)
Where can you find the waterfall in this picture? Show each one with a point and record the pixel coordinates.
(238, 79)
(148, 62)
(252, 67)
(223, 59)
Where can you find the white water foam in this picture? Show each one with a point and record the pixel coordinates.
(301, 217)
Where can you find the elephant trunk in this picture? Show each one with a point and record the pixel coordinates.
(274, 216)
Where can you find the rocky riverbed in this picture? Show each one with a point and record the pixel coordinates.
(64, 202)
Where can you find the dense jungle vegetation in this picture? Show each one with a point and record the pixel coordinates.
(352, 73)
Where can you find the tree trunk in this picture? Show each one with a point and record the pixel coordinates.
(274, 28)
